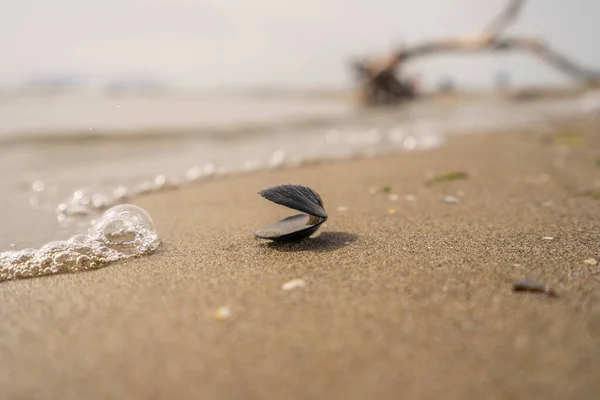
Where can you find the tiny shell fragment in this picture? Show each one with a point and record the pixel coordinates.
(590, 261)
(293, 284)
(222, 313)
(450, 200)
(315, 235)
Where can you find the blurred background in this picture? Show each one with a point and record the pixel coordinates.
(220, 44)
(104, 101)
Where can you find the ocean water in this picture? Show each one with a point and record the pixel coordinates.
(65, 159)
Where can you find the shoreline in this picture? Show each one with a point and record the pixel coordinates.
(411, 303)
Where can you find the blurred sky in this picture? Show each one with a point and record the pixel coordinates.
(215, 43)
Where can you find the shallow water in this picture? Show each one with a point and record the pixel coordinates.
(65, 159)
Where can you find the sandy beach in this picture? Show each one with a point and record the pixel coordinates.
(406, 295)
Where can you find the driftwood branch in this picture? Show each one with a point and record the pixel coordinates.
(381, 83)
(505, 18)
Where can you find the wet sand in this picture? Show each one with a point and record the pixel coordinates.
(403, 299)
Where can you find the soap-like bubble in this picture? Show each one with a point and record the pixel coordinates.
(118, 230)
(135, 214)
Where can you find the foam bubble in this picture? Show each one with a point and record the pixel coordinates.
(194, 174)
(122, 232)
(209, 169)
(120, 193)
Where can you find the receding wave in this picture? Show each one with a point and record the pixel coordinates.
(213, 133)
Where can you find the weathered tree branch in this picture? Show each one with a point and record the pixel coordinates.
(381, 84)
(505, 18)
(544, 52)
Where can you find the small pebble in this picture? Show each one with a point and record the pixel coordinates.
(293, 284)
(450, 200)
(534, 287)
(590, 261)
(394, 197)
(342, 208)
(222, 313)
(391, 211)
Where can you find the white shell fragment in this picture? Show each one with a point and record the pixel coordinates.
(222, 313)
(293, 284)
(450, 200)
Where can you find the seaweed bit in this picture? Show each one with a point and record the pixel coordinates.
(450, 176)
(295, 227)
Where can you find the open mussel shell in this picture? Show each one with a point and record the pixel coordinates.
(296, 227)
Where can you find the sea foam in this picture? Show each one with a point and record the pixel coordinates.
(123, 231)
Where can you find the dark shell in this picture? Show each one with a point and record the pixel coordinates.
(296, 227)
(296, 197)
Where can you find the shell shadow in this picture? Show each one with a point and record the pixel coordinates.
(326, 241)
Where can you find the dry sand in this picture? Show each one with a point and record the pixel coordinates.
(411, 304)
